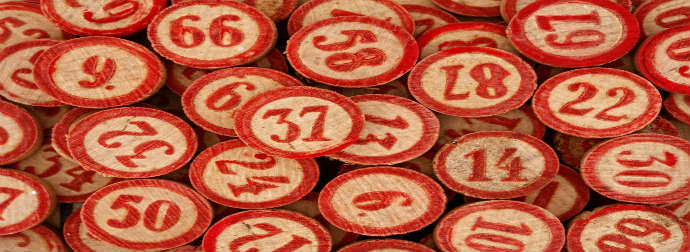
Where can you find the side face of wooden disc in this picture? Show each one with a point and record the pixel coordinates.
(79, 239)
(274, 59)
(664, 60)
(656, 16)
(28, 23)
(60, 132)
(385, 245)
(19, 133)
(465, 34)
(25, 203)
(17, 63)
(180, 77)
(565, 196)
(678, 106)
(38, 238)
(427, 18)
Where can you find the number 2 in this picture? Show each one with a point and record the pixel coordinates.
(589, 92)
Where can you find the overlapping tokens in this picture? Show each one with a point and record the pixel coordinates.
(678, 106)
(38, 238)
(212, 100)
(680, 208)
(299, 122)
(565, 196)
(658, 15)
(273, 60)
(47, 117)
(26, 201)
(473, 8)
(60, 131)
(664, 59)
(499, 225)
(472, 82)
(180, 77)
(211, 34)
(352, 51)
(596, 102)
(496, 164)
(627, 227)
(464, 34)
(132, 142)
(267, 230)
(146, 214)
(17, 63)
(427, 18)
(20, 133)
(28, 23)
(99, 72)
(397, 87)
(381, 201)
(79, 239)
(385, 245)
(577, 33)
(640, 168)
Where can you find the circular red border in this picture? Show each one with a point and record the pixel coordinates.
(643, 10)
(508, 9)
(430, 131)
(32, 6)
(31, 132)
(155, 78)
(541, 107)
(382, 245)
(51, 238)
(424, 39)
(240, 72)
(467, 10)
(437, 13)
(7, 51)
(445, 227)
(673, 108)
(524, 92)
(630, 31)
(45, 197)
(322, 236)
(310, 170)
(644, 61)
(577, 226)
(267, 29)
(407, 60)
(436, 194)
(551, 166)
(589, 174)
(244, 114)
(202, 222)
(582, 197)
(70, 231)
(60, 130)
(77, 134)
(172, 82)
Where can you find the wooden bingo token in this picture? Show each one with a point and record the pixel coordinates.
(273, 60)
(640, 168)
(212, 100)
(573, 33)
(17, 63)
(266, 230)
(565, 196)
(472, 8)
(128, 214)
(509, 8)
(381, 201)
(27, 23)
(99, 72)
(664, 59)
(658, 15)
(132, 142)
(680, 208)
(499, 225)
(488, 82)
(20, 133)
(516, 164)
(626, 227)
(299, 122)
(28, 201)
(426, 18)
(180, 77)
(385, 245)
(596, 102)
(237, 34)
(61, 130)
(395, 130)
(678, 106)
(464, 34)
(79, 239)
(106, 18)
(276, 10)
(38, 238)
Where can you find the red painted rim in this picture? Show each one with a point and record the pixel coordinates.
(44, 196)
(31, 132)
(644, 60)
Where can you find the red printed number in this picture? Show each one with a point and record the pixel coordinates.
(139, 150)
(79, 178)
(293, 130)
(101, 76)
(578, 39)
(270, 231)
(389, 141)
(633, 227)
(16, 78)
(491, 241)
(151, 222)
(673, 17)
(220, 34)
(253, 185)
(346, 62)
(513, 167)
(8, 22)
(228, 90)
(12, 194)
(680, 51)
(491, 87)
(377, 200)
(589, 91)
(644, 178)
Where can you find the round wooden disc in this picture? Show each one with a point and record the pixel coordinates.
(99, 72)
(678, 106)
(129, 214)
(60, 131)
(213, 100)
(38, 238)
(658, 15)
(276, 10)
(20, 133)
(330, 52)
(472, 8)
(565, 196)
(27, 23)
(17, 63)
(509, 8)
(488, 82)
(640, 168)
(680, 208)
(427, 18)
(499, 225)
(299, 122)
(575, 33)
(267, 230)
(620, 227)
(385, 245)
(381, 201)
(464, 34)
(79, 239)
(132, 142)
(496, 164)
(229, 33)
(26, 201)
(664, 59)
(596, 102)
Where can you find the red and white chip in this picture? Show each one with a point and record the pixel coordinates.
(211, 34)
(381, 201)
(678, 106)
(352, 51)
(626, 227)
(20, 133)
(596, 102)
(574, 33)
(26, 201)
(38, 238)
(565, 196)
(132, 142)
(213, 100)
(395, 130)
(680, 208)
(17, 63)
(385, 245)
(499, 225)
(658, 15)
(60, 131)
(640, 168)
(472, 81)
(79, 239)
(27, 23)
(427, 18)
(106, 18)
(267, 230)
(482, 34)
(99, 72)
(496, 164)
(299, 122)
(146, 214)
(664, 59)
(472, 8)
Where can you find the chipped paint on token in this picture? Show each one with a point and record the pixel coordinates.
(27, 23)
(664, 59)
(61, 130)
(482, 34)
(26, 201)
(17, 64)
(427, 18)
(565, 196)
(79, 239)
(38, 238)
(678, 106)
(659, 15)
(385, 245)
(20, 133)
(472, 8)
